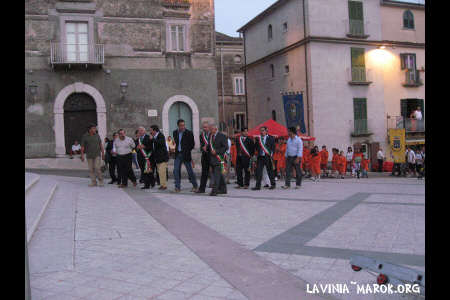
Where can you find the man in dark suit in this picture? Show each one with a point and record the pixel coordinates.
(112, 159)
(264, 146)
(218, 147)
(144, 149)
(160, 155)
(205, 148)
(184, 141)
(244, 152)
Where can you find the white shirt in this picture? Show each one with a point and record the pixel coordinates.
(411, 157)
(229, 147)
(124, 146)
(418, 115)
(380, 155)
(419, 158)
(349, 156)
(76, 147)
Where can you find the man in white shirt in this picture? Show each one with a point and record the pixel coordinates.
(412, 161)
(380, 158)
(124, 145)
(76, 149)
(349, 158)
(228, 155)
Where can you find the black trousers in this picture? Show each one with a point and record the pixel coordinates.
(148, 178)
(112, 168)
(260, 163)
(380, 165)
(218, 179)
(124, 163)
(242, 165)
(290, 162)
(205, 171)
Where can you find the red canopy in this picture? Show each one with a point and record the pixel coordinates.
(275, 129)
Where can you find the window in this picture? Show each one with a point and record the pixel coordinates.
(77, 41)
(272, 70)
(286, 69)
(285, 27)
(177, 40)
(358, 65)
(274, 115)
(239, 118)
(237, 59)
(408, 20)
(239, 86)
(269, 33)
(408, 61)
(356, 18)
(360, 115)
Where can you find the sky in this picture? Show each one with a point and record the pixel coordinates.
(233, 14)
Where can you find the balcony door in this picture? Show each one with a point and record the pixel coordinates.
(77, 45)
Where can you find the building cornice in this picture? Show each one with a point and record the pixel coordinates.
(320, 39)
(262, 15)
(402, 4)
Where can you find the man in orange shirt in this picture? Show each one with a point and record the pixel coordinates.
(342, 164)
(365, 167)
(324, 160)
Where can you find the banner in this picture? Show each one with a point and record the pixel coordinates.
(397, 142)
(293, 111)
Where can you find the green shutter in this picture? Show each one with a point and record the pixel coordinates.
(402, 61)
(355, 10)
(404, 108)
(357, 57)
(360, 108)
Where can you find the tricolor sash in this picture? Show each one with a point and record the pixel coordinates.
(205, 139)
(241, 143)
(264, 148)
(220, 158)
(148, 167)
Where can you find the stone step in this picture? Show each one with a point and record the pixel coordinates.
(36, 201)
(53, 244)
(30, 180)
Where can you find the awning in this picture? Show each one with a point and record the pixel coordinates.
(415, 142)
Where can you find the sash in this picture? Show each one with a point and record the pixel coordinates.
(220, 158)
(263, 146)
(148, 167)
(205, 140)
(243, 147)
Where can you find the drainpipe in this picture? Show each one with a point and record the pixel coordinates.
(27, 270)
(306, 69)
(245, 83)
(223, 92)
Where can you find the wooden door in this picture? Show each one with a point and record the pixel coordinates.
(79, 112)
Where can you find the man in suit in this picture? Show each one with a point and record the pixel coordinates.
(160, 155)
(244, 150)
(112, 159)
(205, 148)
(144, 150)
(264, 146)
(218, 147)
(184, 141)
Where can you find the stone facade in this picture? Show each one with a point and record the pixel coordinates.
(230, 62)
(320, 67)
(136, 39)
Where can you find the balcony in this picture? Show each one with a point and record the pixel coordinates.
(177, 3)
(360, 128)
(412, 79)
(356, 29)
(410, 125)
(64, 54)
(359, 76)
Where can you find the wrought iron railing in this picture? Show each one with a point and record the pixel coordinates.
(359, 75)
(409, 124)
(360, 127)
(85, 54)
(412, 78)
(356, 28)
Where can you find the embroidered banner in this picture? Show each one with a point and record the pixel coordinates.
(294, 112)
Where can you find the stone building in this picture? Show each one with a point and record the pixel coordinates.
(116, 63)
(358, 65)
(230, 86)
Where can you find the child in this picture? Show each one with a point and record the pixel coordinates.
(365, 167)
(324, 160)
(279, 159)
(306, 160)
(357, 159)
(342, 164)
(334, 164)
(315, 164)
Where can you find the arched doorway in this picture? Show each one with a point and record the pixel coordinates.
(179, 110)
(79, 112)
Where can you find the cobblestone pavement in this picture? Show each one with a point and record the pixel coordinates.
(135, 244)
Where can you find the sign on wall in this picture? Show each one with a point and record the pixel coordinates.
(398, 145)
(294, 112)
(152, 113)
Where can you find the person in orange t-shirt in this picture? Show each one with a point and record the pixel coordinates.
(324, 160)
(342, 164)
(233, 154)
(306, 159)
(365, 167)
(315, 163)
(278, 157)
(334, 163)
(356, 161)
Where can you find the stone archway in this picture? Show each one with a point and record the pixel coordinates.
(58, 110)
(195, 116)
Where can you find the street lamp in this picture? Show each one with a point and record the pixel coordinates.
(33, 88)
(123, 89)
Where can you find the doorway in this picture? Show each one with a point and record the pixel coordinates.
(80, 110)
(179, 110)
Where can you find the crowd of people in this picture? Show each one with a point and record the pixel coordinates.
(265, 158)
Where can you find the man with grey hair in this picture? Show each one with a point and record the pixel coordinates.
(144, 150)
(218, 146)
(205, 148)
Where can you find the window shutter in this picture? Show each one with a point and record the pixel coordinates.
(357, 57)
(404, 107)
(355, 10)
(402, 61)
(413, 56)
(360, 108)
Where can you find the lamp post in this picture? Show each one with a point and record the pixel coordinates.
(33, 90)
(123, 89)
